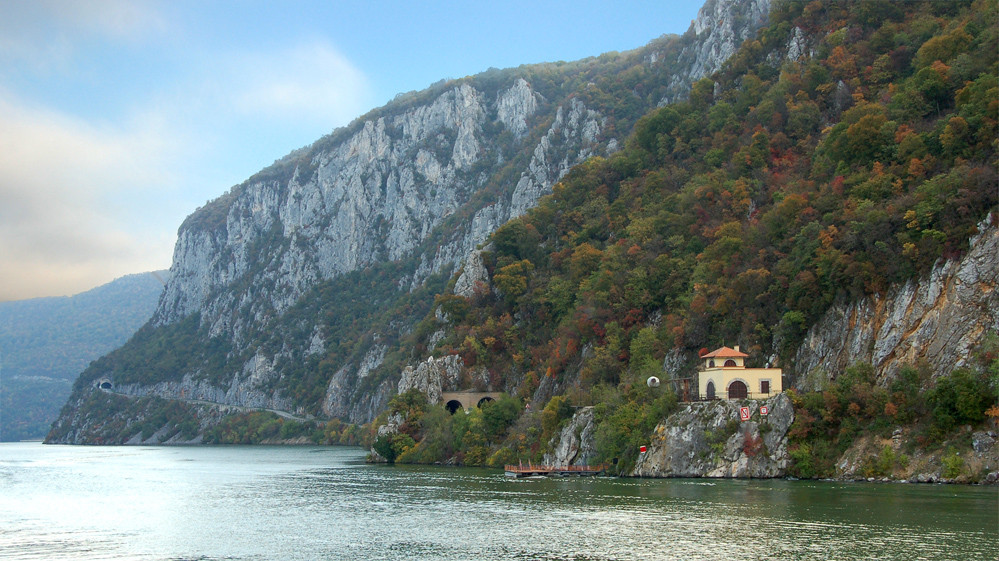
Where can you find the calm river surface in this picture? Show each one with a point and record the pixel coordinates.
(289, 503)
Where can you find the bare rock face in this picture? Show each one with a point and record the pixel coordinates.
(708, 440)
(473, 275)
(574, 446)
(938, 319)
(433, 376)
(569, 141)
(515, 106)
(340, 401)
(720, 28)
(372, 195)
(247, 388)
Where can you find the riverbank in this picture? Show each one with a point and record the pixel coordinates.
(711, 440)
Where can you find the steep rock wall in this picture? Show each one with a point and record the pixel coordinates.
(720, 28)
(420, 182)
(574, 445)
(938, 320)
(709, 440)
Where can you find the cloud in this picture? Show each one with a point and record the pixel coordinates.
(48, 34)
(311, 80)
(91, 193)
(60, 180)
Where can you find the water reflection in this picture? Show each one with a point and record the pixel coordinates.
(475, 511)
(321, 503)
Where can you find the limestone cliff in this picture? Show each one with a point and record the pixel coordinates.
(419, 184)
(574, 445)
(938, 319)
(719, 30)
(709, 440)
(433, 376)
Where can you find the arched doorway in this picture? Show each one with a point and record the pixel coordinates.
(453, 406)
(737, 390)
(710, 392)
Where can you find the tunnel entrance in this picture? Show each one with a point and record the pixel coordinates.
(466, 400)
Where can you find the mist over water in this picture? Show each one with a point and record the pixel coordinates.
(325, 503)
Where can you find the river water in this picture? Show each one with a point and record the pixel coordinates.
(290, 503)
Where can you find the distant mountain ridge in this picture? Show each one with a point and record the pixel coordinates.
(46, 342)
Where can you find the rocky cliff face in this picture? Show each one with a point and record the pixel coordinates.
(915, 464)
(433, 376)
(573, 445)
(706, 439)
(420, 182)
(246, 388)
(720, 28)
(938, 319)
(709, 440)
(370, 194)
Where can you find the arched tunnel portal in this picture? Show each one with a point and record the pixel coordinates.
(453, 401)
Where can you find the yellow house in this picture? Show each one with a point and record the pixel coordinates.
(723, 375)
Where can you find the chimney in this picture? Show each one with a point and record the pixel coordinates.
(737, 348)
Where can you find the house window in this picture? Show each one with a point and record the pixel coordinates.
(729, 363)
(765, 386)
(711, 364)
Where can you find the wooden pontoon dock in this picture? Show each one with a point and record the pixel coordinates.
(531, 470)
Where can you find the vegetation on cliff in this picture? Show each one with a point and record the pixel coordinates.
(779, 188)
(930, 416)
(784, 184)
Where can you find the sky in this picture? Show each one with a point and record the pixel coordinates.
(118, 118)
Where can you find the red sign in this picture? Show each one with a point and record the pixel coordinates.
(744, 413)
(642, 449)
(764, 410)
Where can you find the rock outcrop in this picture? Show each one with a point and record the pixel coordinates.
(573, 446)
(708, 440)
(720, 28)
(899, 458)
(938, 320)
(340, 401)
(473, 276)
(433, 376)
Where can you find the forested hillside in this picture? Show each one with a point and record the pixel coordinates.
(46, 342)
(740, 216)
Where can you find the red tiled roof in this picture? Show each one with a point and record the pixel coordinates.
(725, 352)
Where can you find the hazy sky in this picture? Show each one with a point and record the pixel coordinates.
(119, 118)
